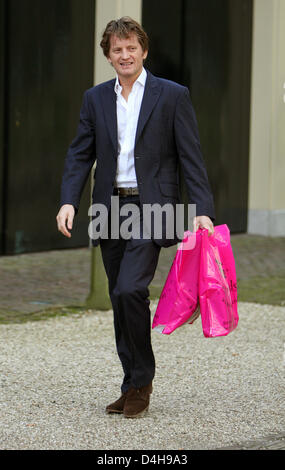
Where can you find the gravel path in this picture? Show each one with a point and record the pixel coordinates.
(57, 375)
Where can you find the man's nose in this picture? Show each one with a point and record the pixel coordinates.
(125, 54)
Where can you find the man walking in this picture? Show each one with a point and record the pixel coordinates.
(139, 129)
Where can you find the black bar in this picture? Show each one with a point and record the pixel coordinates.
(4, 118)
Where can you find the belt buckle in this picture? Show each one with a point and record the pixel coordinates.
(130, 191)
(123, 192)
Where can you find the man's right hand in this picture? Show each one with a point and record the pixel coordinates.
(65, 219)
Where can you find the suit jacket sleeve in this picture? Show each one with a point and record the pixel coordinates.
(190, 157)
(79, 159)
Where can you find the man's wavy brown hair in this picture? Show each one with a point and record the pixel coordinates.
(123, 28)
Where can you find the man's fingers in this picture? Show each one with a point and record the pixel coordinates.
(211, 230)
(64, 230)
(61, 225)
(209, 227)
(203, 222)
(65, 220)
(69, 221)
(195, 226)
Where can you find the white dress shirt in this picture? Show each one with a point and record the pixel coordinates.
(127, 120)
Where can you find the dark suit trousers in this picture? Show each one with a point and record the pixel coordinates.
(130, 266)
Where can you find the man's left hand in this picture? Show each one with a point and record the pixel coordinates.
(203, 221)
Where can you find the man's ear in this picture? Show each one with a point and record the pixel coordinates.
(145, 54)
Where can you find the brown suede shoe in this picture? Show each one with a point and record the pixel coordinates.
(137, 401)
(118, 405)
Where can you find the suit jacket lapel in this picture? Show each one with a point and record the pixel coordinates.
(150, 97)
(110, 113)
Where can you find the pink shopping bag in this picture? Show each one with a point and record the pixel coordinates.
(217, 283)
(179, 298)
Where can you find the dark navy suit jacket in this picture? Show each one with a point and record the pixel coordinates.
(167, 136)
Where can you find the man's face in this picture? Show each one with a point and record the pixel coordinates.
(126, 56)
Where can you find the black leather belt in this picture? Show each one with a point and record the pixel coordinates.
(126, 191)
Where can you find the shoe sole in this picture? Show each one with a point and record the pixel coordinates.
(138, 415)
(118, 412)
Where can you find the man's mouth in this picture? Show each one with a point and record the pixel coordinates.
(126, 64)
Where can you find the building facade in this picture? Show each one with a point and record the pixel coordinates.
(231, 55)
